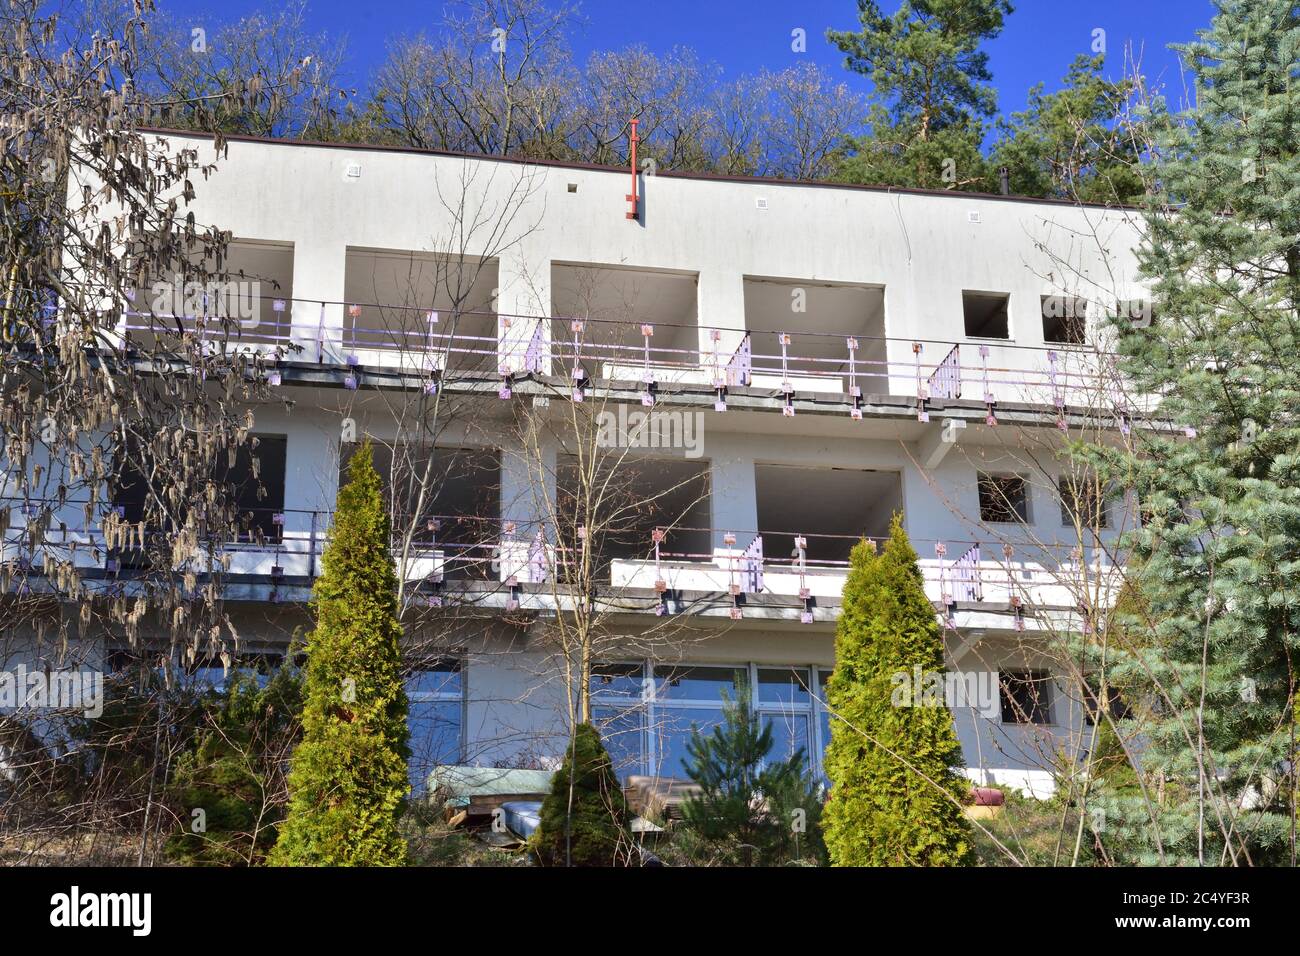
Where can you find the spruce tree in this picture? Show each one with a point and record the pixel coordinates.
(751, 809)
(893, 763)
(348, 780)
(585, 817)
(1219, 548)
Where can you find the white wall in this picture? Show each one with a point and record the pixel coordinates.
(923, 250)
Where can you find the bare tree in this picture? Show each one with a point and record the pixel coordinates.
(792, 124)
(261, 75)
(122, 368)
(495, 81)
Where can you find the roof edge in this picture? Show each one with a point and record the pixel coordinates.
(623, 170)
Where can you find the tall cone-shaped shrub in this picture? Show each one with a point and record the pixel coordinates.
(894, 792)
(348, 780)
(585, 817)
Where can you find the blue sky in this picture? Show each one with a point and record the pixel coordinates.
(1040, 39)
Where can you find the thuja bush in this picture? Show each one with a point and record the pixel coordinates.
(349, 781)
(896, 789)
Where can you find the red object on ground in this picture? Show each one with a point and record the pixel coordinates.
(987, 797)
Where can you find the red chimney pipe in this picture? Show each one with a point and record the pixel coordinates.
(633, 197)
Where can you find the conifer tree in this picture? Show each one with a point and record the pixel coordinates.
(234, 772)
(1219, 548)
(930, 80)
(1069, 144)
(893, 760)
(585, 817)
(751, 809)
(349, 779)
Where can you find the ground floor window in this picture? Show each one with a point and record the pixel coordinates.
(203, 675)
(646, 712)
(435, 692)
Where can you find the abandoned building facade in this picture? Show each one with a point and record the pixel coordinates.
(770, 372)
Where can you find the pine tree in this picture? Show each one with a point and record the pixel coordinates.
(895, 787)
(349, 779)
(931, 83)
(585, 817)
(1220, 545)
(751, 809)
(1070, 144)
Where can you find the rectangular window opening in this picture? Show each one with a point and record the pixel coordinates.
(985, 315)
(1004, 499)
(1026, 697)
(1065, 320)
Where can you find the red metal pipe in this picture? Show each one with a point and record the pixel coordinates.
(633, 197)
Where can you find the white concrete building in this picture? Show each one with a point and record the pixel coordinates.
(822, 356)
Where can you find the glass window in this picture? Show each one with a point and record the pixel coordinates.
(697, 683)
(824, 719)
(434, 727)
(210, 674)
(617, 680)
(790, 733)
(783, 686)
(620, 728)
(442, 678)
(435, 718)
(672, 732)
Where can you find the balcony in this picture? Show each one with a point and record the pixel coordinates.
(520, 565)
(655, 358)
(961, 573)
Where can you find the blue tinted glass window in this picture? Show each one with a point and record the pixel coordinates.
(435, 734)
(673, 731)
(787, 685)
(789, 735)
(620, 728)
(697, 683)
(441, 678)
(617, 680)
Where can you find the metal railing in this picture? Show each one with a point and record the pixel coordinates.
(515, 554)
(439, 343)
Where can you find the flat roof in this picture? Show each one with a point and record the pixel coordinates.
(624, 170)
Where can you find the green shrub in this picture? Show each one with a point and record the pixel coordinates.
(584, 819)
(895, 791)
(751, 811)
(349, 778)
(234, 775)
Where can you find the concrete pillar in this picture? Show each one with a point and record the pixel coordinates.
(522, 497)
(523, 300)
(318, 288)
(721, 303)
(733, 491)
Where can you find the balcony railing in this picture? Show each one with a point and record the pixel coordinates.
(850, 366)
(440, 551)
